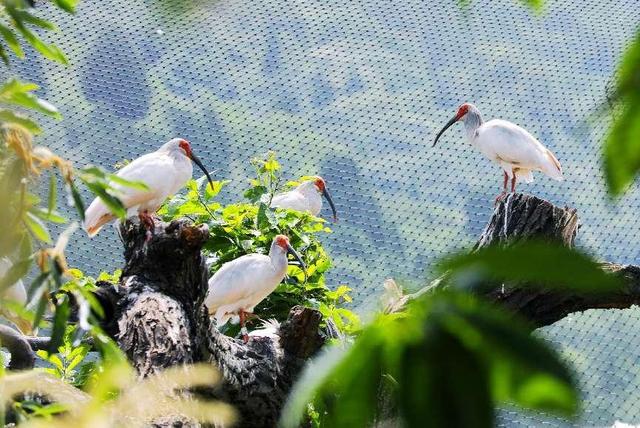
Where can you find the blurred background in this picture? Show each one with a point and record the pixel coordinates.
(355, 91)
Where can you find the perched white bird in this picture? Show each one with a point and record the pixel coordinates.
(164, 171)
(306, 197)
(513, 148)
(239, 285)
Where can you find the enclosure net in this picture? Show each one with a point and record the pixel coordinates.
(355, 91)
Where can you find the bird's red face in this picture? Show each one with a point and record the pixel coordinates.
(462, 110)
(320, 184)
(282, 241)
(186, 147)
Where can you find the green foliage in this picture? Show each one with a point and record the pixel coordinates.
(249, 227)
(622, 146)
(451, 358)
(556, 266)
(66, 363)
(448, 361)
(17, 19)
(107, 187)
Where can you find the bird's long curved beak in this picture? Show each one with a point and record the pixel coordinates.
(453, 120)
(295, 254)
(327, 196)
(198, 162)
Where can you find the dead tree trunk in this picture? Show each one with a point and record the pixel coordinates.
(160, 321)
(519, 217)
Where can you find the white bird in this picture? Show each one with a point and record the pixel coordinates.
(239, 285)
(306, 197)
(164, 171)
(514, 149)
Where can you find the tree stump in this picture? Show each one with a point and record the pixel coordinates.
(519, 217)
(160, 320)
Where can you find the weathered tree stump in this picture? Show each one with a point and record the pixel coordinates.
(161, 321)
(520, 217)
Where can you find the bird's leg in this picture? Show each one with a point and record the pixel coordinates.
(243, 328)
(513, 183)
(504, 187)
(147, 220)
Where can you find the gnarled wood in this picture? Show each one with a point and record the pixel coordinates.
(162, 321)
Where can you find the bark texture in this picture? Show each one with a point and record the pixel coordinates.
(161, 321)
(519, 217)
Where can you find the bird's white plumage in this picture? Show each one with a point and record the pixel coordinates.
(305, 197)
(164, 171)
(515, 150)
(241, 284)
(15, 292)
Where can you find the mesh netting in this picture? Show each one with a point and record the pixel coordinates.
(355, 91)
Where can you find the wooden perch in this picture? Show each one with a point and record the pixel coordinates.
(519, 217)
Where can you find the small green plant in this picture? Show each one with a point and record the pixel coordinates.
(249, 227)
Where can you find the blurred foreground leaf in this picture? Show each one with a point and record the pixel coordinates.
(537, 263)
(622, 146)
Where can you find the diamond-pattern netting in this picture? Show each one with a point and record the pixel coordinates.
(355, 91)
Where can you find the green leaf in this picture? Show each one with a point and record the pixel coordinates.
(15, 273)
(37, 227)
(9, 116)
(255, 193)
(25, 16)
(265, 218)
(11, 41)
(18, 93)
(77, 199)
(51, 216)
(536, 263)
(127, 183)
(113, 203)
(53, 194)
(67, 5)
(523, 370)
(622, 146)
(442, 384)
(59, 324)
(51, 52)
(42, 306)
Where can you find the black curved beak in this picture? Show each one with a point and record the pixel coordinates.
(198, 162)
(451, 122)
(295, 254)
(327, 196)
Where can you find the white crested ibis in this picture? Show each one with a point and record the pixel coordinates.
(514, 149)
(306, 197)
(164, 171)
(239, 285)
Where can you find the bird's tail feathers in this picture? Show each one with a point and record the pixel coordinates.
(553, 168)
(96, 216)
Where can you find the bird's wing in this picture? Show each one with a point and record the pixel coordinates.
(242, 279)
(514, 145)
(153, 169)
(292, 200)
